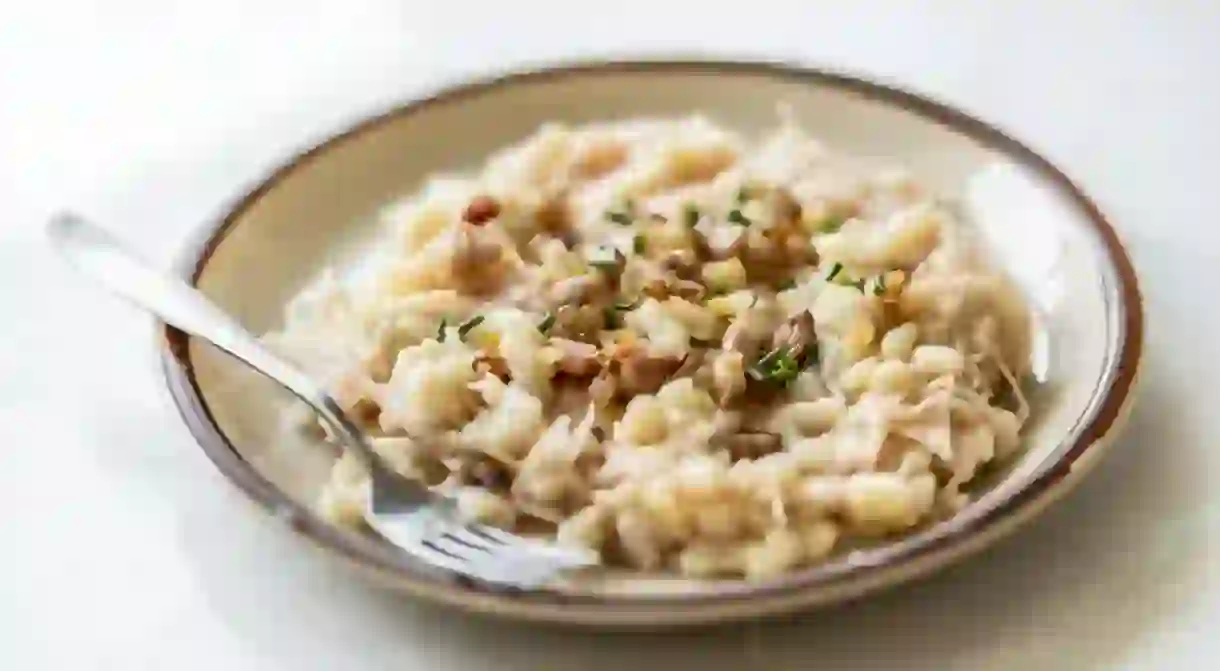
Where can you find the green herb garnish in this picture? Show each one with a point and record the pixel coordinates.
(743, 194)
(620, 218)
(627, 307)
(769, 358)
(690, 215)
(790, 284)
(786, 369)
(638, 244)
(547, 323)
(469, 326)
(879, 286)
(736, 217)
(761, 366)
(779, 365)
(440, 331)
(836, 270)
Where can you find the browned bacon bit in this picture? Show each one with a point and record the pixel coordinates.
(582, 323)
(577, 358)
(688, 290)
(645, 374)
(700, 245)
(682, 270)
(763, 258)
(656, 288)
(691, 363)
(760, 392)
(893, 450)
(682, 263)
(485, 363)
(367, 411)
(785, 205)
(798, 250)
(481, 210)
(554, 217)
(751, 445)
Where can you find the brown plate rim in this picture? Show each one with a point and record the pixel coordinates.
(949, 541)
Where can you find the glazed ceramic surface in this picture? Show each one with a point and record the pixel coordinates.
(328, 206)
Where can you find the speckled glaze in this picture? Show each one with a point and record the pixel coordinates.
(323, 207)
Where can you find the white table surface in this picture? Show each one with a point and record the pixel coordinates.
(122, 548)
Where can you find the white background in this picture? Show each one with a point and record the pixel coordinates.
(122, 548)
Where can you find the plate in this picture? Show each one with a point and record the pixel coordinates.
(325, 206)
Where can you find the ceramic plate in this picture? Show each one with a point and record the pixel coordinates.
(325, 205)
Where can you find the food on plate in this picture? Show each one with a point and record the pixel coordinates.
(681, 346)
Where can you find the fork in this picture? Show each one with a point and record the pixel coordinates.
(421, 522)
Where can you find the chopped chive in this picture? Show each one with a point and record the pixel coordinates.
(690, 215)
(743, 194)
(768, 358)
(469, 325)
(790, 284)
(858, 284)
(622, 215)
(778, 365)
(834, 272)
(785, 369)
(638, 244)
(547, 323)
(736, 217)
(879, 286)
(440, 331)
(620, 218)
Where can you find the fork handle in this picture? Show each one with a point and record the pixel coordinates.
(99, 255)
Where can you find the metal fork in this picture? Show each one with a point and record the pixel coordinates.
(406, 513)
